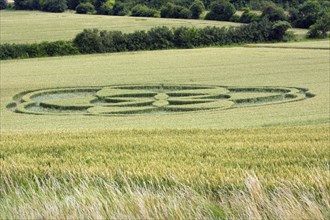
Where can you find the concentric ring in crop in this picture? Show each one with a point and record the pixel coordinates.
(149, 99)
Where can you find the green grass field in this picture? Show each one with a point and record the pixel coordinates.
(35, 26)
(216, 133)
(239, 66)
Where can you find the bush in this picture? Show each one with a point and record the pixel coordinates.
(274, 13)
(161, 38)
(138, 40)
(171, 10)
(306, 15)
(53, 5)
(143, 11)
(3, 4)
(72, 4)
(26, 4)
(57, 48)
(88, 41)
(197, 9)
(248, 17)
(221, 11)
(106, 8)
(321, 27)
(113, 41)
(185, 37)
(278, 30)
(85, 8)
(120, 9)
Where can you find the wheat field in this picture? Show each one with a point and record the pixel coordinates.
(261, 151)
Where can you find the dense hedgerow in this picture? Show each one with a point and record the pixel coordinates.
(44, 49)
(143, 11)
(95, 41)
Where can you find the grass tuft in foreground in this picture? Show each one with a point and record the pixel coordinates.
(90, 197)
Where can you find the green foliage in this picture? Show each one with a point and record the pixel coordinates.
(221, 11)
(27, 4)
(85, 8)
(171, 10)
(53, 5)
(44, 49)
(143, 11)
(274, 13)
(185, 37)
(138, 40)
(248, 17)
(72, 4)
(120, 9)
(279, 28)
(321, 27)
(93, 41)
(106, 8)
(44, 5)
(161, 38)
(306, 15)
(197, 9)
(3, 4)
(88, 41)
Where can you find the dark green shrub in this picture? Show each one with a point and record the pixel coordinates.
(213, 36)
(248, 17)
(57, 48)
(3, 4)
(274, 13)
(85, 8)
(27, 5)
(120, 9)
(143, 11)
(197, 8)
(88, 41)
(171, 10)
(321, 27)
(138, 40)
(53, 5)
(161, 38)
(234, 18)
(278, 30)
(103, 6)
(113, 41)
(306, 15)
(185, 37)
(106, 8)
(72, 4)
(221, 11)
(185, 13)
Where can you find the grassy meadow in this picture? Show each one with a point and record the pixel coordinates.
(36, 26)
(239, 66)
(252, 162)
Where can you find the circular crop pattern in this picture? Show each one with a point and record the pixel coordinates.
(142, 99)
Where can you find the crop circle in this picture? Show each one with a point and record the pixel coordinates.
(151, 98)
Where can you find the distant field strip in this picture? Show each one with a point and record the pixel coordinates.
(143, 99)
(320, 45)
(34, 26)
